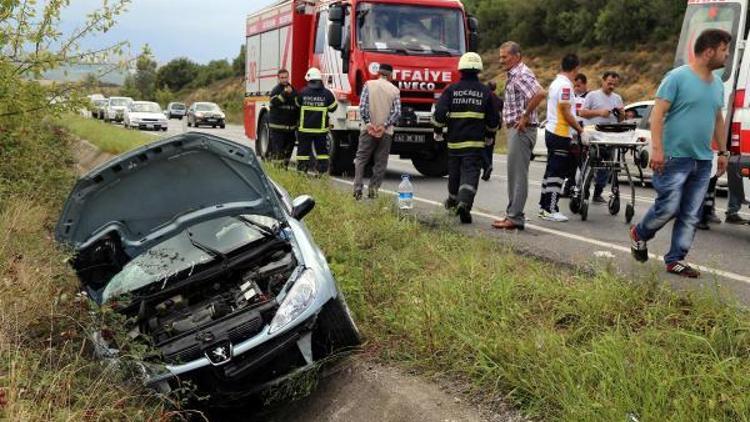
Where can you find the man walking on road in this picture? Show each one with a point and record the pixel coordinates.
(466, 108)
(315, 102)
(380, 108)
(686, 116)
(520, 100)
(284, 116)
(601, 107)
(562, 126)
(489, 150)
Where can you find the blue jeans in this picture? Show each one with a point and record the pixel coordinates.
(680, 190)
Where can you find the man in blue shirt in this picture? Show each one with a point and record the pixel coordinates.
(691, 97)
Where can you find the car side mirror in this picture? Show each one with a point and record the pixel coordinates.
(302, 205)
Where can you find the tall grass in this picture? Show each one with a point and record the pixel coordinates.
(47, 369)
(559, 344)
(109, 138)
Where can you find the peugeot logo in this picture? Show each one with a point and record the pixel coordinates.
(219, 354)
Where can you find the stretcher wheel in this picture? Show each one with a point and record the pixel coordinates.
(629, 213)
(584, 211)
(614, 205)
(575, 205)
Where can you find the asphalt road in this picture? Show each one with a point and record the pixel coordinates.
(601, 241)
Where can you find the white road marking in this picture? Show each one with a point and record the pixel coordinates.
(584, 239)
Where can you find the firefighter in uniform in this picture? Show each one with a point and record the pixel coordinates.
(315, 102)
(284, 116)
(472, 118)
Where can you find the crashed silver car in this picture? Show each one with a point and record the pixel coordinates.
(210, 261)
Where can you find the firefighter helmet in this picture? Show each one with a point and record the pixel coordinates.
(313, 74)
(470, 61)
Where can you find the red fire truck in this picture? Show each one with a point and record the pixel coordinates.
(422, 39)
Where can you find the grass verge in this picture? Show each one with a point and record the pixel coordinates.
(47, 371)
(109, 138)
(560, 345)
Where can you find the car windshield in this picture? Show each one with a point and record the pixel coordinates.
(178, 106)
(410, 29)
(187, 251)
(206, 107)
(118, 102)
(700, 17)
(145, 108)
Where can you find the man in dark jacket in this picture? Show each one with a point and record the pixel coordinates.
(314, 102)
(466, 108)
(284, 116)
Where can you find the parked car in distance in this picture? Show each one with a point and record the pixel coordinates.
(207, 114)
(219, 274)
(98, 107)
(145, 115)
(175, 110)
(116, 107)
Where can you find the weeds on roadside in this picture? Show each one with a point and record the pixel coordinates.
(561, 345)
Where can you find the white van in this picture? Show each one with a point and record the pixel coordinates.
(731, 16)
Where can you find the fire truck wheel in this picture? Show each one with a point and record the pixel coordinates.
(434, 167)
(264, 138)
(342, 159)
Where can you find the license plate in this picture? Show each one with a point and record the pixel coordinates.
(149, 126)
(410, 138)
(211, 120)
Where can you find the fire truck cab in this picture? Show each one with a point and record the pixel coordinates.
(348, 40)
(731, 16)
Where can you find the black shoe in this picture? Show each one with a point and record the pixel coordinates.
(598, 199)
(711, 218)
(450, 204)
(486, 173)
(638, 247)
(357, 195)
(464, 213)
(735, 219)
(703, 225)
(683, 270)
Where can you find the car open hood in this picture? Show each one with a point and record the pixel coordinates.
(155, 191)
(146, 115)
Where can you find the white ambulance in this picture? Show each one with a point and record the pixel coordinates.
(731, 16)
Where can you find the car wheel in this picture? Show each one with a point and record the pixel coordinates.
(213, 126)
(223, 126)
(335, 330)
(164, 129)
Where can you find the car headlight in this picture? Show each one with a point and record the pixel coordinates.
(222, 115)
(198, 114)
(300, 297)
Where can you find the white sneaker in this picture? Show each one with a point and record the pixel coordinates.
(557, 217)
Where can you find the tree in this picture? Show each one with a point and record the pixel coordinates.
(239, 62)
(145, 74)
(176, 74)
(32, 44)
(215, 70)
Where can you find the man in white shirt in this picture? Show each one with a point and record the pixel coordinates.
(562, 125)
(601, 107)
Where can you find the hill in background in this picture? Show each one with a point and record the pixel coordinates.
(641, 67)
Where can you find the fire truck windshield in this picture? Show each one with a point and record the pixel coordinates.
(391, 28)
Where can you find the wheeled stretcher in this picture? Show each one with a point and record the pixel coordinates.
(605, 147)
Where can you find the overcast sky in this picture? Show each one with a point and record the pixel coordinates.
(202, 30)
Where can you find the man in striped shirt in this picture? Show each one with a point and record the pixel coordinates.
(522, 96)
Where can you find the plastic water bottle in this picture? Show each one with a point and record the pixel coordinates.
(405, 193)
